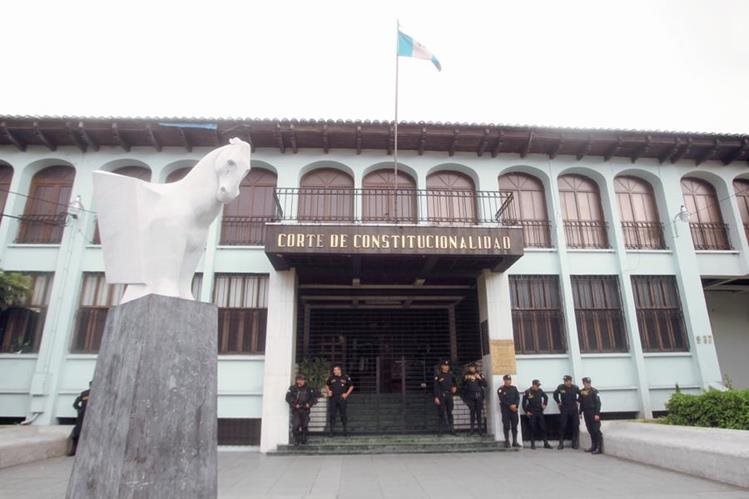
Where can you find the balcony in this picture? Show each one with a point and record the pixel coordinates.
(643, 235)
(41, 229)
(391, 206)
(710, 236)
(586, 234)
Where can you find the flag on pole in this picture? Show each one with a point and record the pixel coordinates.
(408, 47)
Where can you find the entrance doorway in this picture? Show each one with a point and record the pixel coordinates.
(390, 341)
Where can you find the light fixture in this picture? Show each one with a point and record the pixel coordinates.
(682, 216)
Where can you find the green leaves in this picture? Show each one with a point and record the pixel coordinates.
(14, 289)
(716, 409)
(316, 370)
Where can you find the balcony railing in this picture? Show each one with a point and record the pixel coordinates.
(586, 234)
(710, 236)
(391, 205)
(643, 235)
(237, 231)
(536, 233)
(41, 229)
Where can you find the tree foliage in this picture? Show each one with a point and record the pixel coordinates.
(14, 289)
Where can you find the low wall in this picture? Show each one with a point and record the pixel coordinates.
(24, 444)
(712, 453)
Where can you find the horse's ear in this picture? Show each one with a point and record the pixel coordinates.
(235, 140)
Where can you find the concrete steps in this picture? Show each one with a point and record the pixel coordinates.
(25, 444)
(394, 444)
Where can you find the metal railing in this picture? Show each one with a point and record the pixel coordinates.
(41, 229)
(643, 235)
(586, 234)
(601, 330)
(662, 330)
(345, 205)
(539, 331)
(237, 231)
(710, 236)
(536, 233)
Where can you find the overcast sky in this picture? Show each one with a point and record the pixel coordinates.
(651, 64)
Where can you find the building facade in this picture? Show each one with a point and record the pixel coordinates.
(622, 256)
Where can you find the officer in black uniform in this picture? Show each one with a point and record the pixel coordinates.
(339, 388)
(79, 404)
(534, 404)
(300, 397)
(444, 389)
(472, 392)
(509, 400)
(590, 408)
(566, 396)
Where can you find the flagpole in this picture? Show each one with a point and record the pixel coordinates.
(395, 125)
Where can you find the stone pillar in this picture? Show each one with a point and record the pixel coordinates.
(280, 349)
(150, 427)
(496, 310)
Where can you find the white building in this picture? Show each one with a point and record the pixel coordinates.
(617, 281)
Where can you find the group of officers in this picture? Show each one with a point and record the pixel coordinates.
(573, 403)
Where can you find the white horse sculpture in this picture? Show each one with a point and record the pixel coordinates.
(153, 235)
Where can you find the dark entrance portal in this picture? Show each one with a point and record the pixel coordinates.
(389, 341)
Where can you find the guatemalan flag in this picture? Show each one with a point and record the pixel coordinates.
(408, 47)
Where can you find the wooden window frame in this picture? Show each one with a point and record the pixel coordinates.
(241, 330)
(600, 329)
(660, 323)
(535, 324)
(43, 220)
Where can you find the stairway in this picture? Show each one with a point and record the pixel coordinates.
(394, 444)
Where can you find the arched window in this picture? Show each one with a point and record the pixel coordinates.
(451, 197)
(6, 175)
(380, 194)
(528, 208)
(584, 225)
(326, 194)
(177, 174)
(705, 221)
(139, 172)
(46, 209)
(741, 188)
(638, 213)
(244, 218)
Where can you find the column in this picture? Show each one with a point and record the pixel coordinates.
(280, 350)
(495, 309)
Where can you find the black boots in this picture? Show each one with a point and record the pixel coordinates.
(533, 444)
(507, 439)
(515, 438)
(331, 429)
(561, 444)
(345, 430)
(546, 444)
(599, 447)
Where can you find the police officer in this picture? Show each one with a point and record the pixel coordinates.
(339, 388)
(509, 400)
(300, 397)
(79, 404)
(590, 408)
(566, 396)
(472, 393)
(534, 404)
(444, 389)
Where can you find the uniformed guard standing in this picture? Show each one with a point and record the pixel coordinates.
(300, 397)
(509, 400)
(79, 404)
(444, 389)
(590, 407)
(472, 392)
(534, 404)
(566, 396)
(339, 388)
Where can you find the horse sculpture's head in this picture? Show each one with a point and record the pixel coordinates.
(232, 164)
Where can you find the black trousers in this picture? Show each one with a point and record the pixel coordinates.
(336, 405)
(593, 427)
(569, 419)
(475, 405)
(537, 426)
(509, 420)
(299, 423)
(445, 411)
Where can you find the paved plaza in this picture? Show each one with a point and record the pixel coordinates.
(525, 474)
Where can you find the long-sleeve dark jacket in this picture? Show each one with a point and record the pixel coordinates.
(301, 397)
(535, 401)
(508, 395)
(443, 384)
(81, 401)
(590, 401)
(567, 396)
(473, 387)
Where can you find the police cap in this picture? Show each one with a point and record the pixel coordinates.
(536, 382)
(586, 379)
(507, 376)
(567, 377)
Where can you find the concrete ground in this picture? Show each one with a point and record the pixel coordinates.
(525, 474)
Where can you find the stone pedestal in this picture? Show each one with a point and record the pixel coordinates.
(150, 426)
